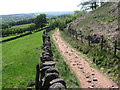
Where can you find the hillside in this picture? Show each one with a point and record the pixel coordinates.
(96, 34)
(102, 21)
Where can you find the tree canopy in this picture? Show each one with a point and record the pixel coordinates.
(40, 21)
(90, 4)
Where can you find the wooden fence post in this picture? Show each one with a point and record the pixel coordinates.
(81, 36)
(76, 35)
(115, 47)
(102, 41)
(89, 40)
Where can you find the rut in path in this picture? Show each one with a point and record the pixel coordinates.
(88, 76)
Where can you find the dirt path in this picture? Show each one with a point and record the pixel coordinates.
(88, 77)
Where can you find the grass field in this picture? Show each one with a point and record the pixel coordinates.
(19, 58)
(22, 26)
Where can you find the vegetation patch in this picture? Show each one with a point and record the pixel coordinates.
(18, 29)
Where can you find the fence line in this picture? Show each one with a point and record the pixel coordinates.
(93, 39)
(13, 38)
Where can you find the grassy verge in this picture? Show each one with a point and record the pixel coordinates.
(19, 59)
(103, 60)
(63, 67)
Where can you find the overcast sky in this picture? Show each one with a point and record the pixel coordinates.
(29, 6)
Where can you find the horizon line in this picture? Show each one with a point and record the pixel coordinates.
(36, 12)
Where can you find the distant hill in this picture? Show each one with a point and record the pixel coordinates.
(18, 17)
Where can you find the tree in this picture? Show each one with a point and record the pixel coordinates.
(40, 21)
(90, 4)
(5, 25)
(101, 2)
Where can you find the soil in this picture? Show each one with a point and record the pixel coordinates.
(88, 76)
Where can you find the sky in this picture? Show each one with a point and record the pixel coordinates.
(29, 6)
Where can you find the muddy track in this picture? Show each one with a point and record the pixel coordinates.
(89, 77)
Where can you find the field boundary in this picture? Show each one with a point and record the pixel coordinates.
(13, 38)
(47, 75)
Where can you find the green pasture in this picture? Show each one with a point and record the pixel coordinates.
(19, 59)
(22, 26)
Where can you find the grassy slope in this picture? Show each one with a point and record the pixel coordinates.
(103, 21)
(19, 59)
(101, 14)
(64, 69)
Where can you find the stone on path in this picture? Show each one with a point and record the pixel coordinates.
(95, 79)
(89, 81)
(90, 87)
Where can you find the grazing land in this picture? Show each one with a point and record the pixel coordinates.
(19, 59)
